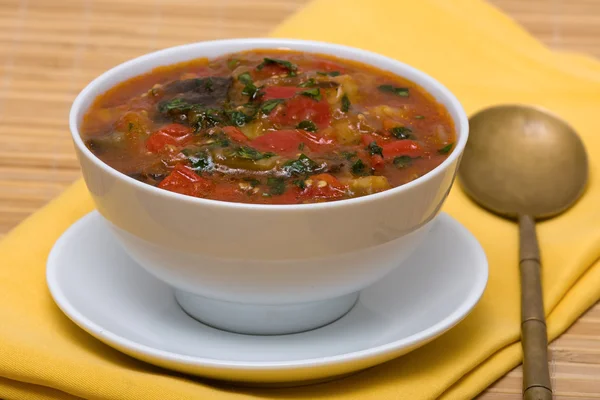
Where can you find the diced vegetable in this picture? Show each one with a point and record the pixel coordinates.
(185, 181)
(323, 187)
(345, 134)
(402, 148)
(368, 185)
(301, 108)
(173, 134)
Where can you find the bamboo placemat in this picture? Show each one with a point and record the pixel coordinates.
(49, 50)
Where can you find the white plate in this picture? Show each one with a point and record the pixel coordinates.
(104, 292)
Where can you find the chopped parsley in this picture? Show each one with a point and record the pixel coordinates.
(307, 125)
(401, 132)
(250, 153)
(302, 166)
(238, 118)
(402, 161)
(300, 183)
(359, 167)
(202, 118)
(232, 63)
(374, 149)
(269, 105)
(313, 93)
(419, 117)
(345, 103)
(177, 104)
(301, 146)
(348, 155)
(252, 181)
(276, 185)
(219, 140)
(446, 149)
(208, 84)
(309, 83)
(200, 161)
(398, 91)
(291, 68)
(250, 88)
(331, 73)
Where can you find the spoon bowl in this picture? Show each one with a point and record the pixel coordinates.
(523, 160)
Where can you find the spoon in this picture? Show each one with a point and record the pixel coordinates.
(524, 163)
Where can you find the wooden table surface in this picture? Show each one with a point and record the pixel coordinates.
(50, 49)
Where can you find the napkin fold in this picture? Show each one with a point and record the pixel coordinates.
(484, 58)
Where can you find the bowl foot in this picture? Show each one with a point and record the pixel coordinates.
(265, 319)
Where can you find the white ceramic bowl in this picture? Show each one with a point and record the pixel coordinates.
(266, 269)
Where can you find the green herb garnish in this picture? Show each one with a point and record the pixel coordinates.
(398, 91)
(291, 68)
(345, 103)
(401, 132)
(419, 117)
(359, 167)
(300, 183)
(309, 83)
(446, 149)
(302, 166)
(276, 185)
(250, 89)
(250, 153)
(232, 63)
(402, 161)
(174, 105)
(307, 125)
(348, 155)
(238, 118)
(269, 105)
(301, 146)
(200, 118)
(208, 84)
(332, 73)
(375, 149)
(200, 161)
(313, 93)
(130, 126)
(253, 182)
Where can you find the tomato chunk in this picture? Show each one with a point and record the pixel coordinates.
(229, 192)
(323, 187)
(280, 92)
(328, 66)
(301, 108)
(377, 162)
(401, 148)
(172, 134)
(291, 195)
(157, 141)
(269, 70)
(185, 181)
(281, 142)
(176, 130)
(317, 142)
(235, 134)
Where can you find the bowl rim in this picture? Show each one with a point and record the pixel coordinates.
(419, 77)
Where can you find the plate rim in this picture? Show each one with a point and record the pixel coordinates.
(145, 352)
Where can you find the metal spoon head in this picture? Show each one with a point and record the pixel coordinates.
(522, 160)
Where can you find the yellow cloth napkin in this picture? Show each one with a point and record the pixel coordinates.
(484, 58)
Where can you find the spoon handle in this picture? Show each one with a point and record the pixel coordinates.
(536, 376)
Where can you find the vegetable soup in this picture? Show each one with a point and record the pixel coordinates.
(270, 127)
